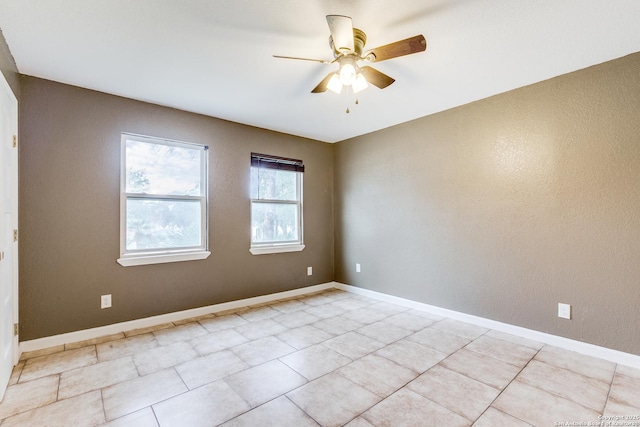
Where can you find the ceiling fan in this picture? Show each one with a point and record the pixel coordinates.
(347, 44)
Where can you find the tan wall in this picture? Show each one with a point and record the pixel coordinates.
(69, 212)
(507, 206)
(8, 67)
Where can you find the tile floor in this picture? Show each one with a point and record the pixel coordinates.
(329, 359)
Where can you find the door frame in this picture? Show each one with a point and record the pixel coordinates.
(13, 107)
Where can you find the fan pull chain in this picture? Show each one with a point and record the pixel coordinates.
(356, 103)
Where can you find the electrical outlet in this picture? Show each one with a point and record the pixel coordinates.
(357, 268)
(564, 311)
(105, 301)
(309, 271)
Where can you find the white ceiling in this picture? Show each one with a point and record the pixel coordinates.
(214, 56)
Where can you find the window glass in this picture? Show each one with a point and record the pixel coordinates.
(276, 201)
(163, 199)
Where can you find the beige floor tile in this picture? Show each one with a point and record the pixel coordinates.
(194, 319)
(495, 418)
(83, 410)
(295, 319)
(29, 395)
(315, 361)
(586, 365)
(260, 329)
(318, 300)
(462, 329)
(410, 321)
(586, 391)
(502, 350)
(350, 304)
(58, 362)
(384, 332)
(216, 341)
(359, 422)
(539, 407)
(259, 313)
(304, 336)
(93, 341)
(207, 369)
(206, 406)
(148, 329)
(131, 396)
(456, 392)
(353, 345)
(126, 347)
(377, 374)
(42, 352)
(338, 325)
(179, 333)
(142, 418)
(94, 377)
(439, 340)
(387, 308)
(624, 398)
(262, 350)
(365, 315)
(406, 408)
(488, 370)
(159, 358)
(515, 339)
(265, 382)
(325, 311)
(16, 372)
(289, 306)
(277, 413)
(426, 314)
(333, 400)
(411, 355)
(220, 323)
(628, 371)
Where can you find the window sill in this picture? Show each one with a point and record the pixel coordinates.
(132, 260)
(264, 250)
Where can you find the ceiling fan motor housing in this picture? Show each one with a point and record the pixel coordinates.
(359, 40)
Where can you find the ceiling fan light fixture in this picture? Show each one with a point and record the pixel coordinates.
(334, 84)
(360, 83)
(347, 74)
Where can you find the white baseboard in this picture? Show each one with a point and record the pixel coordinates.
(611, 355)
(615, 356)
(87, 334)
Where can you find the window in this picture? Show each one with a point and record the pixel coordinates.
(163, 201)
(276, 204)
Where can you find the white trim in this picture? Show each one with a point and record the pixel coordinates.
(87, 334)
(611, 355)
(263, 250)
(131, 260)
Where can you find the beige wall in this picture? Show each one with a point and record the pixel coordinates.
(69, 212)
(507, 206)
(8, 66)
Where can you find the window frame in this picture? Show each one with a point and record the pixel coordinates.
(293, 166)
(134, 257)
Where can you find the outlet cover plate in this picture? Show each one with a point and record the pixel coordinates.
(564, 311)
(105, 301)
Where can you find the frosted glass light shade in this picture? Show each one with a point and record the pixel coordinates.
(335, 85)
(360, 83)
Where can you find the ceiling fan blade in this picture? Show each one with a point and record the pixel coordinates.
(342, 32)
(322, 86)
(408, 46)
(323, 61)
(375, 77)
